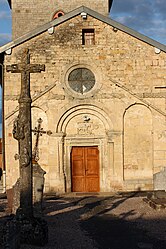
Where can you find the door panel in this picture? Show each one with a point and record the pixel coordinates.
(78, 184)
(78, 167)
(85, 169)
(91, 151)
(92, 184)
(92, 167)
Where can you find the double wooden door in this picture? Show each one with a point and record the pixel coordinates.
(85, 169)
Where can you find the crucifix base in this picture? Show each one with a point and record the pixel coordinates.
(38, 186)
(18, 230)
(30, 230)
(33, 231)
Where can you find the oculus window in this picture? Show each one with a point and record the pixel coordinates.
(81, 80)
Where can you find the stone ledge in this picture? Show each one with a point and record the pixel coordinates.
(156, 200)
(156, 204)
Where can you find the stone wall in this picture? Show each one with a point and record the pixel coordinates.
(26, 17)
(127, 71)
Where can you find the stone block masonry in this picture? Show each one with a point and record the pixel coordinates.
(26, 17)
(123, 123)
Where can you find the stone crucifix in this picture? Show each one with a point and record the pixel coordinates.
(22, 130)
(38, 131)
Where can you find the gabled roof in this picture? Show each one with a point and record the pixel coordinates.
(74, 13)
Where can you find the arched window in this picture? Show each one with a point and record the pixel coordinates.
(58, 14)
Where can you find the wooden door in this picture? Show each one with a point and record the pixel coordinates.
(85, 169)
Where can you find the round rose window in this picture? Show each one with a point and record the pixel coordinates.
(81, 80)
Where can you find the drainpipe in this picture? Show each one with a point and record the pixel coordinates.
(3, 132)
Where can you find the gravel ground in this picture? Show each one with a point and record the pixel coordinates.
(143, 216)
(111, 222)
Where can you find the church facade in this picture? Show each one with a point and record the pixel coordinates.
(100, 100)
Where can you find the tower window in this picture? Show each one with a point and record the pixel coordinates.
(58, 14)
(88, 37)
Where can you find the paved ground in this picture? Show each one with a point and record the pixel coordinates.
(110, 222)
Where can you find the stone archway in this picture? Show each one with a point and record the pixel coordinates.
(85, 126)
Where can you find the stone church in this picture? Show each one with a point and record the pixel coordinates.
(100, 103)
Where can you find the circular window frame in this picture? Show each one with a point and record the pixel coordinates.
(92, 91)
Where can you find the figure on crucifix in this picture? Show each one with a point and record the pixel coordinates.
(18, 129)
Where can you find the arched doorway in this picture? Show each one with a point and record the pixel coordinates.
(84, 149)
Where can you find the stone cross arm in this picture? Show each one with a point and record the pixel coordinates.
(31, 68)
(25, 68)
(25, 65)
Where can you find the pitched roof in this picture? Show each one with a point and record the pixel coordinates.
(74, 13)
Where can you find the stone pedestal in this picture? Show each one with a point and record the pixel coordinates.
(38, 186)
(156, 199)
(29, 230)
(33, 231)
(160, 180)
(13, 194)
(9, 233)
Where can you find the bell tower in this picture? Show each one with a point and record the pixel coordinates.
(27, 15)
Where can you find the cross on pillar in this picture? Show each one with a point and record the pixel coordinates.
(38, 131)
(22, 130)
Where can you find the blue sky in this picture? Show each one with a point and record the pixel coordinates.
(5, 22)
(146, 16)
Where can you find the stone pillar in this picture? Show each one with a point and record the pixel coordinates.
(60, 160)
(159, 180)
(23, 133)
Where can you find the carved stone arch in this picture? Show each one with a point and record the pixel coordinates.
(136, 103)
(84, 125)
(137, 143)
(83, 110)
